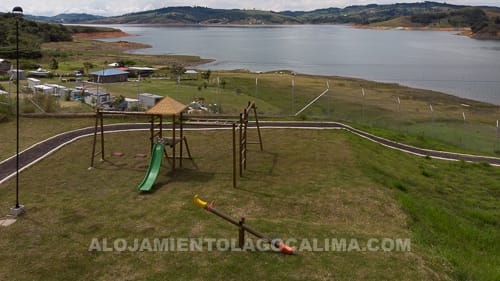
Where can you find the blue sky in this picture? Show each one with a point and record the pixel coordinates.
(119, 7)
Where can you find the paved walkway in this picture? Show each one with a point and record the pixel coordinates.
(40, 150)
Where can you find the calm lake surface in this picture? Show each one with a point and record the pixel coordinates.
(435, 60)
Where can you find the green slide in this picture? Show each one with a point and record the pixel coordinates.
(154, 168)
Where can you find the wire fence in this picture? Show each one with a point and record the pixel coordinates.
(418, 117)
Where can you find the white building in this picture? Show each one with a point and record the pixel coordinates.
(147, 100)
(94, 98)
(58, 90)
(13, 74)
(32, 82)
(5, 66)
(43, 89)
(131, 103)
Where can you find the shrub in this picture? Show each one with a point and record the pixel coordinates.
(399, 185)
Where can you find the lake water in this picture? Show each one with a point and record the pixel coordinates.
(436, 60)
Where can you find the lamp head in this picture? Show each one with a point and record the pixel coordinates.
(17, 10)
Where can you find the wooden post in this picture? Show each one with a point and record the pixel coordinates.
(258, 126)
(95, 139)
(181, 140)
(160, 126)
(245, 140)
(98, 119)
(101, 117)
(241, 233)
(234, 155)
(241, 145)
(173, 142)
(152, 131)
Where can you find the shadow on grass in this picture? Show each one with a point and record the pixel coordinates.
(137, 165)
(51, 229)
(178, 176)
(113, 165)
(259, 171)
(256, 192)
(264, 153)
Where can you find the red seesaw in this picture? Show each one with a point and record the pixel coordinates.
(288, 250)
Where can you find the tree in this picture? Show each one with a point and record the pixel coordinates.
(54, 64)
(87, 66)
(177, 70)
(118, 101)
(206, 75)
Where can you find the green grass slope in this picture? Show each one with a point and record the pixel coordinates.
(304, 185)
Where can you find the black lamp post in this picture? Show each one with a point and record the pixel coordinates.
(18, 13)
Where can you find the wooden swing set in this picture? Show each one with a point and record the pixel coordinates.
(242, 127)
(166, 107)
(175, 109)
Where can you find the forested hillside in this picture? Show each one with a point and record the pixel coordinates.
(31, 35)
(481, 20)
(202, 15)
(65, 18)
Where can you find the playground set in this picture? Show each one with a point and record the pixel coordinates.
(170, 107)
(159, 144)
(166, 107)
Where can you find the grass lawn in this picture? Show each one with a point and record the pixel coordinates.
(306, 184)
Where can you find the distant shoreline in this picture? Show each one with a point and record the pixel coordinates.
(385, 27)
(463, 31)
(101, 34)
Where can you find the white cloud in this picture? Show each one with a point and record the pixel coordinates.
(119, 7)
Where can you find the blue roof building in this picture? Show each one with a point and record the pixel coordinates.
(110, 75)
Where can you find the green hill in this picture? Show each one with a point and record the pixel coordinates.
(374, 13)
(482, 20)
(31, 35)
(65, 18)
(201, 15)
(353, 14)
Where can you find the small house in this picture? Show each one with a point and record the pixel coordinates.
(93, 97)
(141, 71)
(191, 74)
(43, 89)
(147, 100)
(130, 104)
(5, 66)
(32, 83)
(58, 90)
(110, 75)
(13, 74)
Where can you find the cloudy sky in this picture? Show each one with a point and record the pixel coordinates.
(119, 7)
